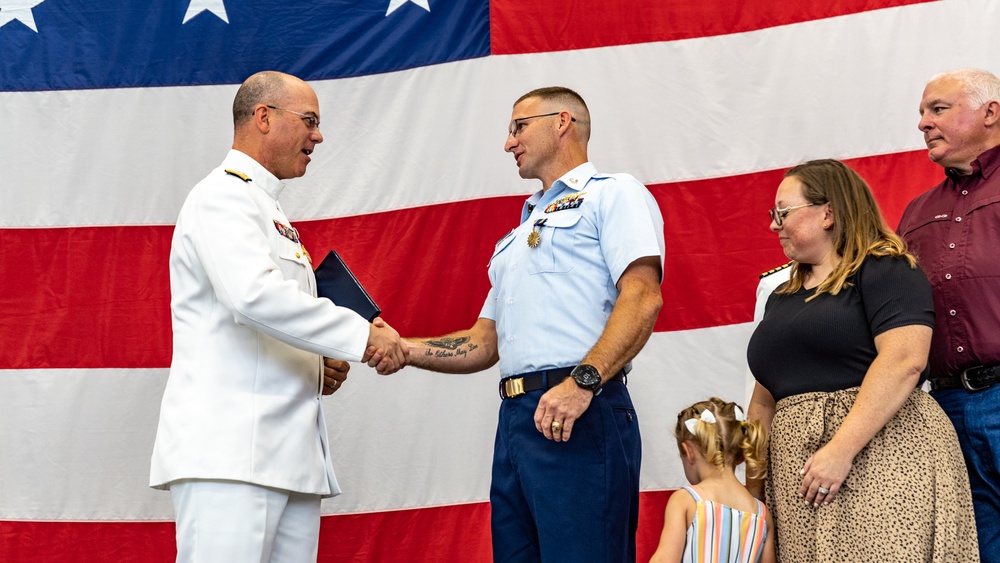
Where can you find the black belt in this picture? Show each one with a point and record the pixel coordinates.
(972, 379)
(520, 384)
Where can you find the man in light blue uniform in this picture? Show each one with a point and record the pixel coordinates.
(575, 294)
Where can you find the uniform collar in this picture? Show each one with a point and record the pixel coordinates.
(574, 180)
(261, 177)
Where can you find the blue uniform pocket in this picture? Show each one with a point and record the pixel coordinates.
(557, 249)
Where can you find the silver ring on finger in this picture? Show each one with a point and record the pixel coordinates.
(823, 490)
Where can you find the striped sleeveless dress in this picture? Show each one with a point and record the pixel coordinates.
(720, 534)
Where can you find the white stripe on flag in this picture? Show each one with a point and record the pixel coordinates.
(76, 443)
(700, 108)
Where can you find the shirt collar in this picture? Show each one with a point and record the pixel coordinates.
(261, 176)
(574, 180)
(985, 166)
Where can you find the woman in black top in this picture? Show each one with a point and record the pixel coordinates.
(864, 466)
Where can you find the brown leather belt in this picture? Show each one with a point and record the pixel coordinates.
(520, 384)
(971, 379)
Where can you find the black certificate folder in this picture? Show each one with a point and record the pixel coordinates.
(336, 282)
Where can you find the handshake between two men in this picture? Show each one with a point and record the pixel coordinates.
(386, 352)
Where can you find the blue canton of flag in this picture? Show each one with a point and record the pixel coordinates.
(80, 44)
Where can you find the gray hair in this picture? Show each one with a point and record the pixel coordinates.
(979, 85)
(267, 87)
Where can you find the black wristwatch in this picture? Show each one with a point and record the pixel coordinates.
(586, 376)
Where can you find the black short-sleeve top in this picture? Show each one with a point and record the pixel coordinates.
(827, 344)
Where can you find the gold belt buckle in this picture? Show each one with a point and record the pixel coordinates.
(514, 387)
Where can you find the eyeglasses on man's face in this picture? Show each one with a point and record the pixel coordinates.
(311, 121)
(778, 215)
(518, 125)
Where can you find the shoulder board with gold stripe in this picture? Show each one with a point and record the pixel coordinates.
(778, 269)
(238, 174)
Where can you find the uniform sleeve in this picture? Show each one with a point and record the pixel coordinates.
(222, 227)
(489, 310)
(894, 294)
(631, 225)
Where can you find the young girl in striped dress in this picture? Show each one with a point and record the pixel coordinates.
(716, 520)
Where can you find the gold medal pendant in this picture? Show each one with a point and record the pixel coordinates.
(534, 238)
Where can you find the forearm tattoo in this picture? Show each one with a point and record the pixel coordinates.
(447, 343)
(449, 347)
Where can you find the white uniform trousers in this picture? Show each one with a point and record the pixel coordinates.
(236, 522)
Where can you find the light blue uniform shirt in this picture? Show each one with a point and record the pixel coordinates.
(551, 303)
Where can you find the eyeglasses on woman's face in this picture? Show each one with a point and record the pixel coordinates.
(778, 214)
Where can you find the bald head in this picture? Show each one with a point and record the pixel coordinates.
(276, 119)
(267, 87)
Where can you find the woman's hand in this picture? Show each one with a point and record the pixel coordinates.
(823, 474)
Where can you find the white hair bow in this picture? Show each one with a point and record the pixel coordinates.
(738, 414)
(706, 416)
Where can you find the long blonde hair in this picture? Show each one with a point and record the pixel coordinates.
(859, 230)
(727, 442)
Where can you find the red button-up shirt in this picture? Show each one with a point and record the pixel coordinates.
(954, 229)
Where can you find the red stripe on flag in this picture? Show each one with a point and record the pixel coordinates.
(400, 536)
(523, 26)
(84, 297)
(719, 240)
(99, 297)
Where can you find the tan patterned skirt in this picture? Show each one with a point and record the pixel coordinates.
(906, 497)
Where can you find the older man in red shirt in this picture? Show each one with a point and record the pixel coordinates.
(954, 229)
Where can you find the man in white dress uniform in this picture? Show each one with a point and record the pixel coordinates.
(242, 444)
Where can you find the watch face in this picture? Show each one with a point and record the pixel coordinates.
(586, 376)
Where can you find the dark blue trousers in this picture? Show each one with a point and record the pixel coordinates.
(976, 417)
(575, 501)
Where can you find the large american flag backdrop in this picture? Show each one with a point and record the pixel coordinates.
(111, 111)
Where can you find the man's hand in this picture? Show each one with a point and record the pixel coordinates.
(386, 352)
(564, 403)
(334, 374)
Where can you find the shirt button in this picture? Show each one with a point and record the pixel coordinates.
(959, 219)
(510, 301)
(947, 276)
(952, 312)
(960, 349)
(511, 339)
(298, 255)
(952, 245)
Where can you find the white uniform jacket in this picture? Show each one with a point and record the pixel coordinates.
(243, 398)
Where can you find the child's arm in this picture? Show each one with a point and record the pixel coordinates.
(768, 556)
(762, 406)
(676, 519)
